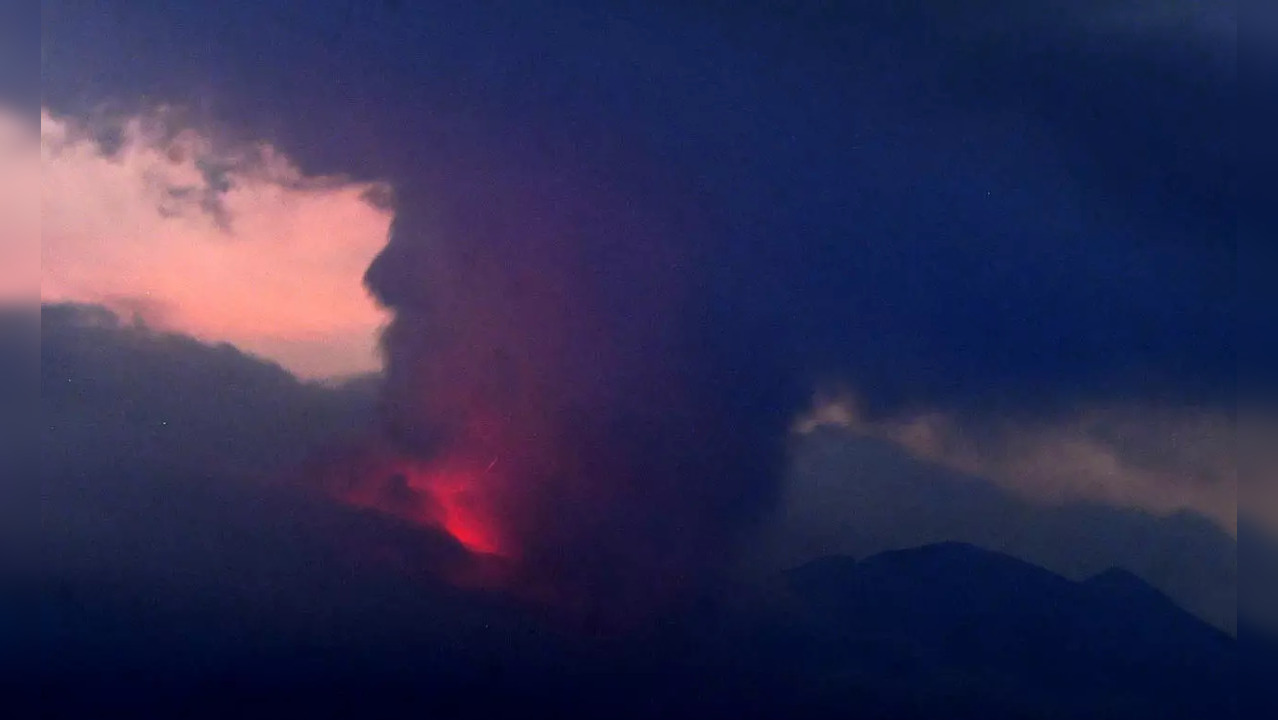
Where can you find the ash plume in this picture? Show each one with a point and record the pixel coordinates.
(561, 387)
(609, 308)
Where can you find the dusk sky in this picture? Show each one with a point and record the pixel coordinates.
(650, 284)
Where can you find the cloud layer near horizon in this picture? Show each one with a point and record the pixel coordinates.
(1159, 458)
(225, 241)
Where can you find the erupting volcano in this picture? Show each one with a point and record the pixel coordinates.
(561, 394)
(453, 498)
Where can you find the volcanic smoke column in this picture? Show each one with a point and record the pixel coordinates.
(557, 388)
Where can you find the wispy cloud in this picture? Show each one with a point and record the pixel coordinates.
(1160, 459)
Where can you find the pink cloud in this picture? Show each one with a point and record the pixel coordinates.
(230, 243)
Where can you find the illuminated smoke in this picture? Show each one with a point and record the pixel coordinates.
(558, 392)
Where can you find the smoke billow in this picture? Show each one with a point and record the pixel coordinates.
(559, 394)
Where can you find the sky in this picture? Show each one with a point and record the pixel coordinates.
(999, 240)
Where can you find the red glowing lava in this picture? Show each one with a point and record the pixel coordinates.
(451, 495)
(461, 513)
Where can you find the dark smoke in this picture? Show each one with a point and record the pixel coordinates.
(608, 305)
(557, 338)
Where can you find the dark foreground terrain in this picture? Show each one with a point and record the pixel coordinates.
(941, 631)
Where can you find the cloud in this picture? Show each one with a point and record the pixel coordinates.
(225, 241)
(1257, 451)
(1157, 458)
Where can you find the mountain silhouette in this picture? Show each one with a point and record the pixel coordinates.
(1109, 645)
(941, 631)
(860, 496)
